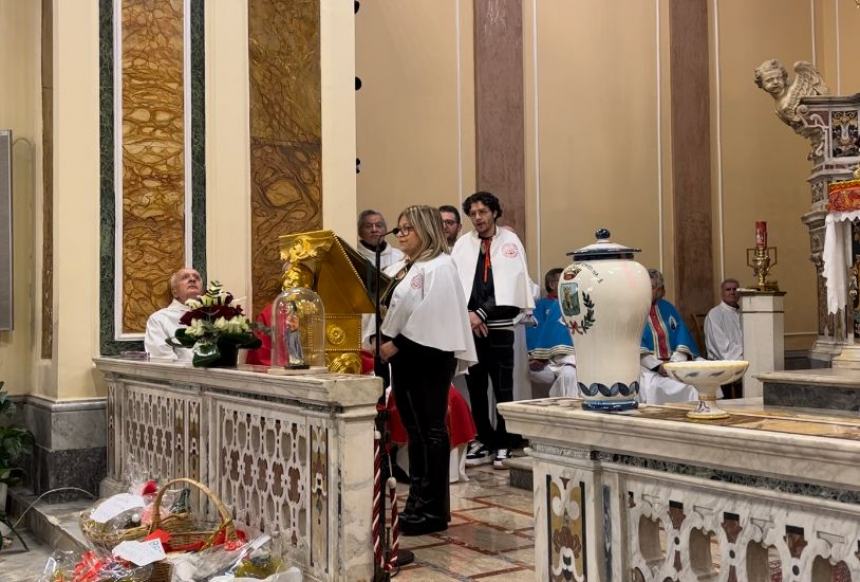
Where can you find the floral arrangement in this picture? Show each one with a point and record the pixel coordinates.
(217, 328)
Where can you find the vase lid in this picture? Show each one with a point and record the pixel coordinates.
(603, 248)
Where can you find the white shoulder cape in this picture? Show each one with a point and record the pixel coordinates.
(428, 307)
(511, 281)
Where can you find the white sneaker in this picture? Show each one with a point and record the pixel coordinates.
(478, 454)
(502, 455)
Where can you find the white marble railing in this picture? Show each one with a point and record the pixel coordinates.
(291, 455)
(651, 497)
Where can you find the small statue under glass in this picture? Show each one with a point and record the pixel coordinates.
(298, 327)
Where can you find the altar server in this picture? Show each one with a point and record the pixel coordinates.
(724, 337)
(161, 325)
(426, 338)
(664, 339)
(491, 262)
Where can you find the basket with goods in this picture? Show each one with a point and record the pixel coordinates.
(190, 534)
(128, 516)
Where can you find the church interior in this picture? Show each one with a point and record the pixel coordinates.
(690, 168)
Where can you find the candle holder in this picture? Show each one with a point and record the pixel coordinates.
(762, 260)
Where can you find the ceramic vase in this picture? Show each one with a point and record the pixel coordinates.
(605, 296)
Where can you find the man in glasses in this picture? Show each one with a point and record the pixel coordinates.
(451, 224)
(492, 266)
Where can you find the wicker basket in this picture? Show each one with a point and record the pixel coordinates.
(187, 531)
(101, 535)
(182, 528)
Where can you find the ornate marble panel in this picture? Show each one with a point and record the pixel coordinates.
(161, 431)
(756, 537)
(273, 471)
(566, 523)
(153, 155)
(286, 134)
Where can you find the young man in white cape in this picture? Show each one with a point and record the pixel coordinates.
(494, 275)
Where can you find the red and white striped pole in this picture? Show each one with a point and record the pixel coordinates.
(391, 564)
(378, 517)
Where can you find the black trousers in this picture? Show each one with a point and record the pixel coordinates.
(496, 364)
(420, 379)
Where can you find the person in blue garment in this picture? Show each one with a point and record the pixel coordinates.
(550, 346)
(665, 338)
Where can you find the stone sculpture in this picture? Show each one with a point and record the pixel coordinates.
(772, 77)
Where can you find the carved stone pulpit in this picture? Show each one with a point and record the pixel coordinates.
(831, 125)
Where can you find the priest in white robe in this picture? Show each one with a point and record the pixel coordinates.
(724, 336)
(161, 325)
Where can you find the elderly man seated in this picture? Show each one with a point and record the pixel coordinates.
(161, 325)
(550, 347)
(664, 339)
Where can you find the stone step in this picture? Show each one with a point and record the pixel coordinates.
(836, 390)
(520, 472)
(53, 524)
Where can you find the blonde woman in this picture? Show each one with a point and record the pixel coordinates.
(426, 339)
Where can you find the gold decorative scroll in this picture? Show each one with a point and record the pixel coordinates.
(286, 135)
(153, 150)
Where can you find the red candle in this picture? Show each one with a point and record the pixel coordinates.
(761, 234)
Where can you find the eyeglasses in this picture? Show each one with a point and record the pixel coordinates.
(450, 222)
(405, 230)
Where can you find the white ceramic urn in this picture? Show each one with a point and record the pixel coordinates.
(605, 296)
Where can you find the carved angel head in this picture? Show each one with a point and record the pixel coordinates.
(772, 77)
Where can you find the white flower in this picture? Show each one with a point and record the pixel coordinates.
(195, 329)
(193, 303)
(207, 300)
(220, 324)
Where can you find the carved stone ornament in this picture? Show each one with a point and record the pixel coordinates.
(772, 77)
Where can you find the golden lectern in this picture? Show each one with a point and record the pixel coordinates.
(322, 261)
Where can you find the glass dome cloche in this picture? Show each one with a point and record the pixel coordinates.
(298, 329)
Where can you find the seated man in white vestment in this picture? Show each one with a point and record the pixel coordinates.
(664, 339)
(371, 236)
(550, 346)
(161, 325)
(724, 336)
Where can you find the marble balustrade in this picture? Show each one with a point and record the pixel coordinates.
(650, 495)
(287, 454)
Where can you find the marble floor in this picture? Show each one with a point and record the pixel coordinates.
(490, 537)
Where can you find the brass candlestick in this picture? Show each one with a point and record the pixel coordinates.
(762, 260)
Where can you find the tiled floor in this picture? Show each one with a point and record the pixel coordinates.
(490, 537)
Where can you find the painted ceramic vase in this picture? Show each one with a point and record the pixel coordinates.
(605, 296)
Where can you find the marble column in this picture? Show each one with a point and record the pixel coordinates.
(691, 152)
(764, 336)
(499, 106)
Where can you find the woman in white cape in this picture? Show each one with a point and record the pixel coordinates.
(426, 339)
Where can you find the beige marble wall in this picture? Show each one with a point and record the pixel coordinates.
(759, 164)
(415, 115)
(20, 112)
